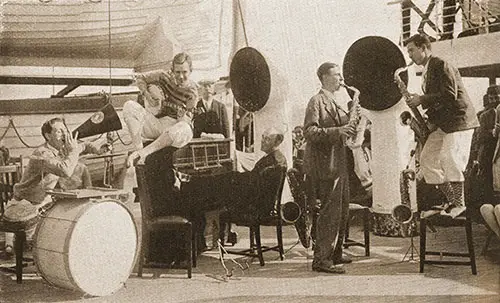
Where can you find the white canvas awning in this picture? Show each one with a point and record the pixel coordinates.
(141, 34)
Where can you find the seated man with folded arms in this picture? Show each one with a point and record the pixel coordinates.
(166, 117)
(56, 158)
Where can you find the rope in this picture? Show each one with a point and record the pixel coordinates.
(120, 138)
(243, 23)
(6, 130)
(228, 271)
(109, 46)
(11, 122)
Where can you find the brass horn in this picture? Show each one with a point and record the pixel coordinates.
(290, 212)
(103, 121)
(250, 79)
(369, 65)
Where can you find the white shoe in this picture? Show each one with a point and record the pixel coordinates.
(428, 213)
(454, 211)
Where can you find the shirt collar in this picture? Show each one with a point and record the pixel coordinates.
(426, 66)
(52, 148)
(342, 104)
(328, 93)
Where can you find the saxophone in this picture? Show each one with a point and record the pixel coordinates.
(355, 119)
(417, 122)
(403, 213)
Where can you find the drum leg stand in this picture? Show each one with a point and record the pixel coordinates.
(410, 253)
(412, 250)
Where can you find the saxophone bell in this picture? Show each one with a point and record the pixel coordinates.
(403, 212)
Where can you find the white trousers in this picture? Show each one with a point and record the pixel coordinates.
(445, 156)
(144, 125)
(491, 215)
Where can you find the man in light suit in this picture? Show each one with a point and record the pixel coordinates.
(325, 165)
(449, 109)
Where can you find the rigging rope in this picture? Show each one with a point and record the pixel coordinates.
(243, 23)
(11, 122)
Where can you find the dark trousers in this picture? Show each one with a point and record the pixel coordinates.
(331, 222)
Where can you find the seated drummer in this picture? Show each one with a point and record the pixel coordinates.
(57, 157)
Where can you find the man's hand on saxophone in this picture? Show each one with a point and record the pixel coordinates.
(414, 100)
(348, 130)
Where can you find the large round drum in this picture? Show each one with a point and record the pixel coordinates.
(86, 245)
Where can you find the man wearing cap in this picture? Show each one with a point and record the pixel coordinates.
(211, 115)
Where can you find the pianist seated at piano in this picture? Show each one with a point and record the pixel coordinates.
(238, 191)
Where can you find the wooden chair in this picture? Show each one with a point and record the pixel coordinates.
(270, 216)
(355, 208)
(152, 222)
(10, 175)
(462, 220)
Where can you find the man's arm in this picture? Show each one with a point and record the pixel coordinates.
(142, 80)
(59, 166)
(313, 131)
(448, 88)
(225, 120)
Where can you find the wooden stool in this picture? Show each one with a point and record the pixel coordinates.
(366, 228)
(462, 220)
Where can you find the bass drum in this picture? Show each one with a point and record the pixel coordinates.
(86, 245)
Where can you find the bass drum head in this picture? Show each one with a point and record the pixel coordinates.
(102, 248)
(369, 65)
(250, 79)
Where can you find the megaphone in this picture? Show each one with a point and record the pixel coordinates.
(103, 121)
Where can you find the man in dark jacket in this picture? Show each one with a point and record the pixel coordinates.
(450, 111)
(325, 164)
(211, 115)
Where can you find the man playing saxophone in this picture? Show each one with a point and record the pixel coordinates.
(448, 107)
(325, 164)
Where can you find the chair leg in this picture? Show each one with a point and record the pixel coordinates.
(487, 243)
(252, 238)
(142, 252)
(256, 232)
(470, 245)
(188, 238)
(366, 230)
(346, 234)
(194, 251)
(18, 248)
(279, 236)
(423, 230)
(222, 231)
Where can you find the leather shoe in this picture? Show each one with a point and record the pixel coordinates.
(342, 260)
(332, 269)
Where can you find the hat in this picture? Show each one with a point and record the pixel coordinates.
(206, 82)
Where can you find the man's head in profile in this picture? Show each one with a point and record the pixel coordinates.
(271, 139)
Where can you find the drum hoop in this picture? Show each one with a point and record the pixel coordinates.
(69, 234)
